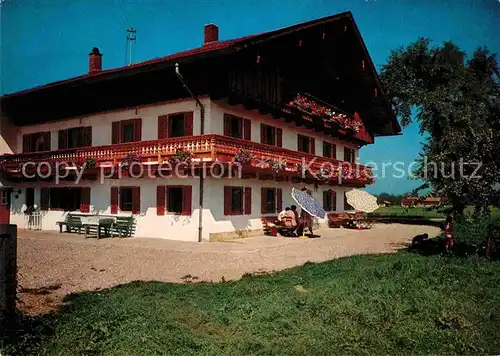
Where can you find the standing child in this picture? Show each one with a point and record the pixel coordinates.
(448, 234)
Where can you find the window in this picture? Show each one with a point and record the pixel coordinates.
(126, 199)
(175, 125)
(329, 150)
(236, 127)
(349, 155)
(174, 199)
(30, 197)
(126, 131)
(347, 206)
(67, 199)
(4, 197)
(36, 142)
(330, 200)
(75, 137)
(237, 201)
(305, 144)
(271, 200)
(271, 135)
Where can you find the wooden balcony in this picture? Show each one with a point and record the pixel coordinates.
(204, 149)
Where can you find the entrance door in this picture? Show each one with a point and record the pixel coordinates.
(5, 206)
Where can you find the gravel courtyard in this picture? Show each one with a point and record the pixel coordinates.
(52, 265)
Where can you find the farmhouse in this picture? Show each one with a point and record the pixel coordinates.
(202, 142)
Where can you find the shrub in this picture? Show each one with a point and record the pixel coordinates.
(483, 234)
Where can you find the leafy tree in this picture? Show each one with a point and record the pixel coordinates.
(456, 101)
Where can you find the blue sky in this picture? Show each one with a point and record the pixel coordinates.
(49, 40)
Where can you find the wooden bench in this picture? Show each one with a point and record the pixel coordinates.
(270, 225)
(71, 222)
(124, 226)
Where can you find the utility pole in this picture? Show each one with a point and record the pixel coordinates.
(131, 38)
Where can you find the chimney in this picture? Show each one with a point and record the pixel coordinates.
(95, 61)
(211, 33)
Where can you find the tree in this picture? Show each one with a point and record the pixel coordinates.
(456, 101)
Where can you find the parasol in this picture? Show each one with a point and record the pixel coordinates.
(362, 201)
(307, 202)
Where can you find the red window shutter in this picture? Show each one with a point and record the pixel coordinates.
(162, 126)
(188, 123)
(62, 139)
(26, 143)
(46, 141)
(312, 143)
(137, 129)
(279, 137)
(248, 201)
(115, 132)
(44, 198)
(334, 151)
(87, 136)
(247, 130)
(187, 198)
(136, 200)
(227, 200)
(114, 200)
(279, 199)
(263, 133)
(160, 200)
(334, 200)
(263, 204)
(85, 200)
(227, 125)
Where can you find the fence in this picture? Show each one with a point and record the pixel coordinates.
(33, 221)
(8, 267)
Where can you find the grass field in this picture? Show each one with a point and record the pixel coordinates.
(374, 304)
(420, 211)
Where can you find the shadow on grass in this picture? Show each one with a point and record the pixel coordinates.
(435, 246)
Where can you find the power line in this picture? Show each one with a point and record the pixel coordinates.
(121, 17)
(123, 11)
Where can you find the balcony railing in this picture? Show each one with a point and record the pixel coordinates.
(204, 147)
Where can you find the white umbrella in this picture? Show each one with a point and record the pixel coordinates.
(362, 201)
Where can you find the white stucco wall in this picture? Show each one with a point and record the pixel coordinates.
(101, 123)
(175, 227)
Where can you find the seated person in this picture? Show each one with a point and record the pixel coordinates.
(282, 214)
(289, 222)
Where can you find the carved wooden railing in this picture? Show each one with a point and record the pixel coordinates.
(213, 147)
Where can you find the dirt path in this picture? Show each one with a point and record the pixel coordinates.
(52, 265)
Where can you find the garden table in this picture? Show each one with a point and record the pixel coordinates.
(98, 222)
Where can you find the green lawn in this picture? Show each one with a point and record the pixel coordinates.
(420, 211)
(374, 304)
